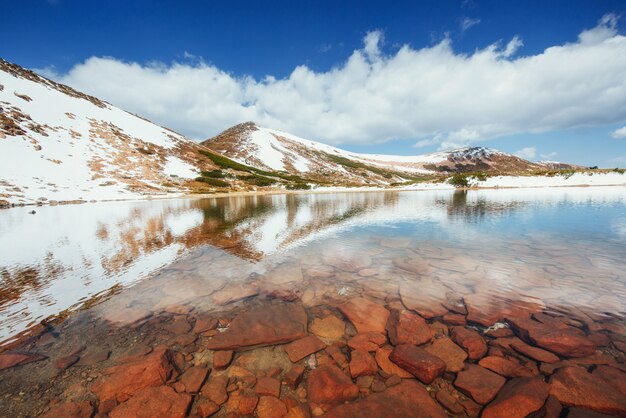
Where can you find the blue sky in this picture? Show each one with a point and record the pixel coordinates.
(352, 74)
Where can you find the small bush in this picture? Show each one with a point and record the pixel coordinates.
(459, 180)
(298, 186)
(215, 174)
(213, 181)
(619, 170)
(257, 180)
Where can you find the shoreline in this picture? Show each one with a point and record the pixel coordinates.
(321, 190)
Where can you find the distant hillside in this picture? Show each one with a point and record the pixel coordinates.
(270, 149)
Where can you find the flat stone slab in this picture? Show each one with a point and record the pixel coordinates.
(408, 399)
(274, 324)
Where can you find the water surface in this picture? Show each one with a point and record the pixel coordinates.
(563, 246)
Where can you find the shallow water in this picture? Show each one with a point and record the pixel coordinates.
(487, 255)
(572, 240)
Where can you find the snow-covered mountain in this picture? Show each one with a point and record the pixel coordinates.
(57, 144)
(60, 145)
(270, 149)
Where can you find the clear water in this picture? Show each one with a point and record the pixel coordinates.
(560, 249)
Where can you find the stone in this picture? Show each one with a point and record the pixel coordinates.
(328, 385)
(505, 367)
(269, 325)
(270, 407)
(454, 319)
(330, 328)
(368, 341)
(337, 355)
(285, 273)
(364, 382)
(242, 402)
(233, 293)
(294, 376)
(561, 339)
(65, 362)
(574, 386)
(453, 355)
(267, 386)
(152, 402)
(70, 409)
(470, 340)
(479, 383)
(407, 328)
(365, 315)
(362, 364)
(425, 298)
(393, 380)
(221, 359)
(215, 389)
(389, 367)
(94, 357)
(204, 324)
(551, 409)
(612, 376)
(521, 347)
(378, 386)
(449, 402)
(122, 381)
(417, 361)
(518, 398)
(303, 347)
(585, 413)
(408, 399)
(486, 309)
(206, 408)
(178, 325)
(8, 360)
(194, 378)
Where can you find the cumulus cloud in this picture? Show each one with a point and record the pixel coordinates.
(434, 95)
(619, 133)
(468, 22)
(527, 153)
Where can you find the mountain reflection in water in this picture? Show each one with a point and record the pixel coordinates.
(526, 246)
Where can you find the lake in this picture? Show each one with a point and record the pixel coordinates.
(536, 277)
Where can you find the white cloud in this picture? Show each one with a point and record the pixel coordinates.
(527, 153)
(430, 94)
(619, 133)
(467, 23)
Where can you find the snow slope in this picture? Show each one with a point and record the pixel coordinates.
(268, 149)
(59, 144)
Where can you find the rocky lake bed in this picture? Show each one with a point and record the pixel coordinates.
(418, 304)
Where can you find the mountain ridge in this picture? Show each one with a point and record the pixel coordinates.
(265, 148)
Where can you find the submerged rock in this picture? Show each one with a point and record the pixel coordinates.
(470, 340)
(407, 328)
(408, 399)
(122, 381)
(419, 362)
(8, 360)
(518, 398)
(328, 385)
(453, 355)
(269, 325)
(560, 339)
(365, 315)
(574, 386)
(303, 347)
(479, 383)
(160, 401)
